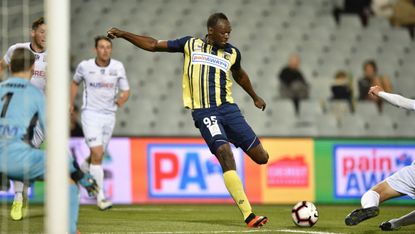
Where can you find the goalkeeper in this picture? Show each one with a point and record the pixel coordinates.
(21, 106)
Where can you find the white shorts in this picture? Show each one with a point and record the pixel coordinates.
(403, 181)
(97, 128)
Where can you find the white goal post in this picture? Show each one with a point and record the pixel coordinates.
(57, 96)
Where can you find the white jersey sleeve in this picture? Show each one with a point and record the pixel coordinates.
(79, 73)
(122, 79)
(398, 100)
(7, 56)
(9, 53)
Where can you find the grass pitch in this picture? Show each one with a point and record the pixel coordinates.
(163, 219)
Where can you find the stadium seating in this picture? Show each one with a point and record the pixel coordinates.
(267, 32)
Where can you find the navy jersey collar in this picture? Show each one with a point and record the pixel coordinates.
(226, 48)
(109, 62)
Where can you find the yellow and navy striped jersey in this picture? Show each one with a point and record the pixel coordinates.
(206, 71)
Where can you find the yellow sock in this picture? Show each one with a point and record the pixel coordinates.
(235, 188)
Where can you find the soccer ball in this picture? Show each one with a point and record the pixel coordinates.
(304, 214)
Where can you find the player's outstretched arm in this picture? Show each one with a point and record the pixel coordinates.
(74, 91)
(242, 78)
(142, 42)
(394, 99)
(122, 98)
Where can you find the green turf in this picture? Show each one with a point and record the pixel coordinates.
(200, 219)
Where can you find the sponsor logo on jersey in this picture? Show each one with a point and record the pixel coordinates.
(101, 85)
(113, 72)
(198, 48)
(102, 71)
(14, 85)
(38, 73)
(91, 139)
(227, 56)
(8, 130)
(210, 60)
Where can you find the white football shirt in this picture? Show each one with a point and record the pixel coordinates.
(101, 84)
(39, 76)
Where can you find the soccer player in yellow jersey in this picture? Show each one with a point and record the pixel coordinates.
(207, 66)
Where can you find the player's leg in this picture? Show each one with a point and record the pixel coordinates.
(97, 171)
(400, 183)
(215, 134)
(92, 126)
(18, 191)
(209, 123)
(378, 194)
(108, 127)
(258, 154)
(225, 157)
(370, 203)
(77, 176)
(19, 169)
(73, 206)
(394, 186)
(18, 206)
(241, 135)
(395, 224)
(20, 202)
(234, 185)
(85, 164)
(26, 163)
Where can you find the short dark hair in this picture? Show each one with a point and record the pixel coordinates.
(22, 60)
(372, 63)
(38, 22)
(98, 38)
(214, 18)
(341, 73)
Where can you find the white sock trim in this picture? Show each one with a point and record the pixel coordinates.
(370, 199)
(98, 173)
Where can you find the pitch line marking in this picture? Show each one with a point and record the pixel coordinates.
(308, 232)
(230, 231)
(149, 209)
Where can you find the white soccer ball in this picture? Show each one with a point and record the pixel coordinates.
(304, 214)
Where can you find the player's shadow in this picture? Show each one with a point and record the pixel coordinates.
(215, 222)
(36, 216)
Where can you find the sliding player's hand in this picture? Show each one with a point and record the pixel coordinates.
(374, 90)
(114, 33)
(260, 103)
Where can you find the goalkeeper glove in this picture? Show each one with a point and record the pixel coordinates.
(89, 183)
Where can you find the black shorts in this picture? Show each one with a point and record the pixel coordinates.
(224, 124)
